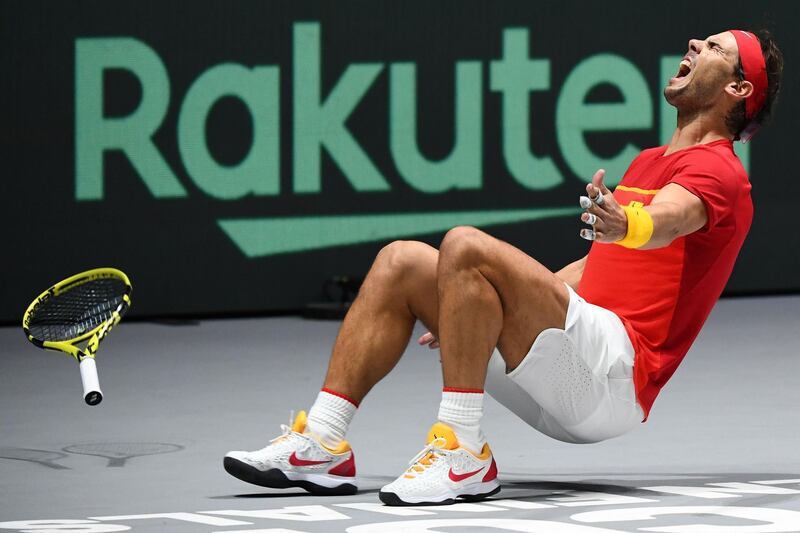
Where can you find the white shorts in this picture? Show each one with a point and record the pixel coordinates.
(575, 384)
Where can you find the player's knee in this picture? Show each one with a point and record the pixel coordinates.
(398, 258)
(463, 245)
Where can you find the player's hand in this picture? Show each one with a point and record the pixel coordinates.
(607, 218)
(430, 340)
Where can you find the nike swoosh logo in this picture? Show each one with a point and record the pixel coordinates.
(461, 477)
(296, 461)
(262, 237)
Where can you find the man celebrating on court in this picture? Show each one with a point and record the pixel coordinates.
(580, 354)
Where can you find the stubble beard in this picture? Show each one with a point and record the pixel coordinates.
(689, 100)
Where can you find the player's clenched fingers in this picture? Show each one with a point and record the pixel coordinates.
(597, 197)
(590, 218)
(592, 207)
(592, 235)
(586, 203)
(592, 191)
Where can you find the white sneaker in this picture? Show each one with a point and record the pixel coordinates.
(297, 459)
(443, 472)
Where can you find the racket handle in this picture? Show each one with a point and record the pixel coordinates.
(91, 384)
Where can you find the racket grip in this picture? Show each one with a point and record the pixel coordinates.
(91, 384)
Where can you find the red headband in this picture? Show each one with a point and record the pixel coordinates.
(755, 70)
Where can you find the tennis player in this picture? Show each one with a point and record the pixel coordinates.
(579, 354)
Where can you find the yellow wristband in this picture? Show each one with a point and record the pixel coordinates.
(640, 226)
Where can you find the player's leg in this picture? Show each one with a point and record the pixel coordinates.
(566, 365)
(399, 289)
(573, 359)
(490, 294)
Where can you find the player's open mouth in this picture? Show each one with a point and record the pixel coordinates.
(684, 69)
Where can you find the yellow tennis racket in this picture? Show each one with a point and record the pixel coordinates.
(82, 308)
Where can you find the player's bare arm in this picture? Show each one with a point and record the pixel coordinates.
(675, 212)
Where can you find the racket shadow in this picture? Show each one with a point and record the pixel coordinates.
(118, 453)
(31, 455)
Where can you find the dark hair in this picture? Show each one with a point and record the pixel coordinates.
(773, 58)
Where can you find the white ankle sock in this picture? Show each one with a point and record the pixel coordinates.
(462, 409)
(330, 416)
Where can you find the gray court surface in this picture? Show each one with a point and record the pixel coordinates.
(719, 453)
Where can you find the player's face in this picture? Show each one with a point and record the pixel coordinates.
(705, 70)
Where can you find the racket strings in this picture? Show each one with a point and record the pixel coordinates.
(77, 310)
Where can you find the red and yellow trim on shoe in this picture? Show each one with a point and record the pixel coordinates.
(347, 468)
(443, 431)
